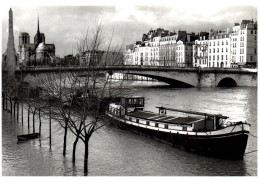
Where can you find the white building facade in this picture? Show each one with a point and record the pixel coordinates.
(162, 48)
(244, 43)
(219, 49)
(200, 51)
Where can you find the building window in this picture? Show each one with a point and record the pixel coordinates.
(251, 58)
(213, 57)
(222, 50)
(213, 50)
(217, 57)
(218, 50)
(226, 58)
(252, 32)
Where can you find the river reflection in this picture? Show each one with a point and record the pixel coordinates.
(116, 152)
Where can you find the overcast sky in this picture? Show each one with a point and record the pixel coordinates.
(63, 24)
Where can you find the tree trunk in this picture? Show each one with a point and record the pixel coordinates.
(86, 157)
(29, 118)
(11, 106)
(22, 112)
(65, 138)
(34, 121)
(40, 122)
(74, 149)
(14, 109)
(3, 100)
(17, 117)
(50, 125)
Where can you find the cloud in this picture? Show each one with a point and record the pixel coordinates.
(63, 24)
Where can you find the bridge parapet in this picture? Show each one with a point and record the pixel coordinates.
(137, 68)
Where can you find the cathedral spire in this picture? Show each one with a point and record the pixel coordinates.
(38, 30)
(38, 37)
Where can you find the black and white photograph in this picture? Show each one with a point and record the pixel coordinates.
(129, 89)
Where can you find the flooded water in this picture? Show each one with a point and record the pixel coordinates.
(116, 152)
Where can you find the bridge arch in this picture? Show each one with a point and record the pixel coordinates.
(227, 82)
(170, 81)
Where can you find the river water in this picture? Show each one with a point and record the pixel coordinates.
(116, 152)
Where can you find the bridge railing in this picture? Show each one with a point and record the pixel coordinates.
(137, 67)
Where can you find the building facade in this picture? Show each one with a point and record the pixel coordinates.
(228, 48)
(244, 43)
(200, 51)
(161, 48)
(36, 53)
(219, 49)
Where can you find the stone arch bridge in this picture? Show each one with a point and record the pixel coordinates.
(177, 77)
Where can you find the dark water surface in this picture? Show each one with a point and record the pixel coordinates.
(116, 152)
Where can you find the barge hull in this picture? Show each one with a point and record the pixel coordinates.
(228, 146)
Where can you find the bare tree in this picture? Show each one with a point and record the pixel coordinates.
(80, 97)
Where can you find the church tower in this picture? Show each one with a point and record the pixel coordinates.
(39, 37)
(10, 59)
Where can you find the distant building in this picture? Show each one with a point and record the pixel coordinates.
(200, 50)
(184, 51)
(100, 58)
(207, 49)
(36, 53)
(219, 49)
(129, 55)
(161, 48)
(244, 43)
(228, 48)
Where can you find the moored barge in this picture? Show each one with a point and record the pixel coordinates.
(202, 133)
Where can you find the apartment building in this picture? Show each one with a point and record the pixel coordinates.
(162, 48)
(244, 43)
(219, 49)
(208, 49)
(200, 50)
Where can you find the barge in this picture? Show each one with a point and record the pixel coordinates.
(201, 133)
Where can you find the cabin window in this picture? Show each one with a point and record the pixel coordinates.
(156, 124)
(147, 123)
(184, 128)
(166, 126)
(130, 119)
(137, 120)
(135, 101)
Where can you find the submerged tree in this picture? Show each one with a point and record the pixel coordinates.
(79, 98)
